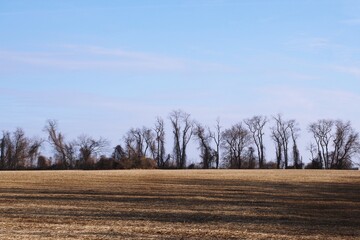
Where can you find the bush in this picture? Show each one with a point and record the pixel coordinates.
(314, 164)
(147, 163)
(107, 163)
(270, 165)
(43, 162)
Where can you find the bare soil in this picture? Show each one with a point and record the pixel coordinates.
(188, 204)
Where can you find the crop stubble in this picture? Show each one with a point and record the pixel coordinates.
(175, 204)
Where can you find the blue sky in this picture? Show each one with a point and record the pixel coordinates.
(101, 67)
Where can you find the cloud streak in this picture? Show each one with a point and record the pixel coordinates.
(312, 103)
(355, 71)
(353, 21)
(75, 57)
(93, 58)
(312, 43)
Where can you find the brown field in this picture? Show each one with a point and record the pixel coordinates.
(189, 204)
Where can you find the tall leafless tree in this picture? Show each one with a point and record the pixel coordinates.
(346, 144)
(337, 143)
(34, 150)
(64, 152)
(281, 133)
(217, 138)
(322, 133)
(294, 132)
(7, 150)
(207, 153)
(182, 126)
(19, 145)
(251, 158)
(89, 148)
(150, 142)
(18, 151)
(235, 141)
(139, 142)
(140, 146)
(275, 135)
(256, 126)
(130, 143)
(119, 153)
(160, 142)
(2, 151)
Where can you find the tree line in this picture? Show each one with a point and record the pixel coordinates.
(335, 144)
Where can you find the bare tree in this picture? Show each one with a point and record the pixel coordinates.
(71, 149)
(131, 147)
(256, 126)
(182, 129)
(337, 143)
(3, 151)
(207, 153)
(34, 150)
(89, 148)
(281, 133)
(160, 142)
(20, 144)
(138, 141)
(140, 147)
(346, 144)
(119, 153)
(294, 131)
(121, 158)
(322, 133)
(217, 138)
(275, 135)
(17, 150)
(7, 150)
(64, 152)
(315, 159)
(235, 141)
(149, 138)
(251, 158)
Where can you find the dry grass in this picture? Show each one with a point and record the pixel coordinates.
(140, 204)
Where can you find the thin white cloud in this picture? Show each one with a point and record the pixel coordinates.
(351, 70)
(312, 103)
(75, 57)
(298, 76)
(101, 51)
(353, 21)
(319, 42)
(73, 60)
(111, 7)
(312, 43)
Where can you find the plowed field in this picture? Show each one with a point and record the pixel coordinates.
(187, 204)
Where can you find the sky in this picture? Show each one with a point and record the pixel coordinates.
(102, 67)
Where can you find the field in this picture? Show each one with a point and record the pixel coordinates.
(189, 204)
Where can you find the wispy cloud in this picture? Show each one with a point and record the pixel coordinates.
(299, 76)
(78, 7)
(313, 43)
(353, 21)
(93, 58)
(75, 57)
(308, 104)
(352, 70)
(318, 42)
